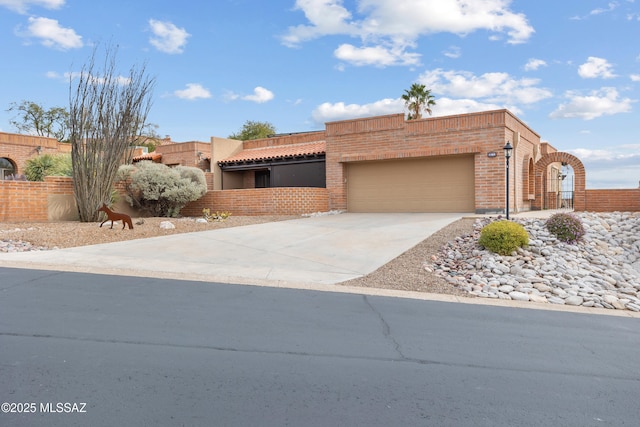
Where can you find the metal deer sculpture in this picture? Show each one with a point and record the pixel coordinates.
(115, 216)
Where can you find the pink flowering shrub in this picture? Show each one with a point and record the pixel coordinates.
(566, 227)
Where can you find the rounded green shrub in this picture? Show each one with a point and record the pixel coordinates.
(566, 227)
(503, 237)
(159, 189)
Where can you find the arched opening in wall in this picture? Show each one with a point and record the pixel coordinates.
(559, 191)
(7, 168)
(572, 187)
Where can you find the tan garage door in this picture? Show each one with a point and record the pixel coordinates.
(437, 184)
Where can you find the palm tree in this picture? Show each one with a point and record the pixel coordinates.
(416, 99)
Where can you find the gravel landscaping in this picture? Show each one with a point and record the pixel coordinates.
(22, 236)
(601, 270)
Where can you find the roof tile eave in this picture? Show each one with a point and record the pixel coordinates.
(279, 151)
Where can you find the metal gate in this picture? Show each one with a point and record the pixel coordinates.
(558, 193)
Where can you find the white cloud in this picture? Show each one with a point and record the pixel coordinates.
(453, 52)
(611, 6)
(495, 88)
(447, 107)
(456, 92)
(51, 34)
(21, 6)
(260, 95)
(121, 80)
(378, 56)
(327, 17)
(613, 167)
(192, 92)
(596, 67)
(588, 155)
(167, 37)
(230, 96)
(493, 91)
(603, 102)
(329, 112)
(389, 26)
(533, 64)
(635, 77)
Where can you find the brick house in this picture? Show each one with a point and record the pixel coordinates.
(387, 164)
(375, 164)
(16, 149)
(192, 153)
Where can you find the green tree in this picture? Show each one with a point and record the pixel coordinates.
(107, 113)
(418, 99)
(254, 130)
(149, 137)
(48, 165)
(159, 189)
(33, 119)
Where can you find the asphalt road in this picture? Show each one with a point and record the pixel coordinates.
(137, 352)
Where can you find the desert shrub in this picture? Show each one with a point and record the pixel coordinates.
(503, 237)
(48, 165)
(161, 190)
(217, 216)
(566, 227)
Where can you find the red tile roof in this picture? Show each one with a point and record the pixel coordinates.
(153, 156)
(278, 151)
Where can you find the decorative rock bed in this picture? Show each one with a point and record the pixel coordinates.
(602, 270)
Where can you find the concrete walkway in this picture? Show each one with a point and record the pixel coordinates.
(318, 250)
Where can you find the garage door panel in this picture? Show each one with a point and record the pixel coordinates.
(443, 184)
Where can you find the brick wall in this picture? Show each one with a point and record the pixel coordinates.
(262, 201)
(186, 154)
(35, 201)
(294, 138)
(579, 180)
(391, 137)
(622, 200)
(20, 148)
(52, 200)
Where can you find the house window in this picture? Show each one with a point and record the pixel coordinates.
(263, 179)
(6, 168)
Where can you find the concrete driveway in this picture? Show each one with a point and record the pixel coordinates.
(318, 250)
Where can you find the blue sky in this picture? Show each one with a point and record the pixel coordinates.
(570, 69)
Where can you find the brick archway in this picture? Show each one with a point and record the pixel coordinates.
(580, 195)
